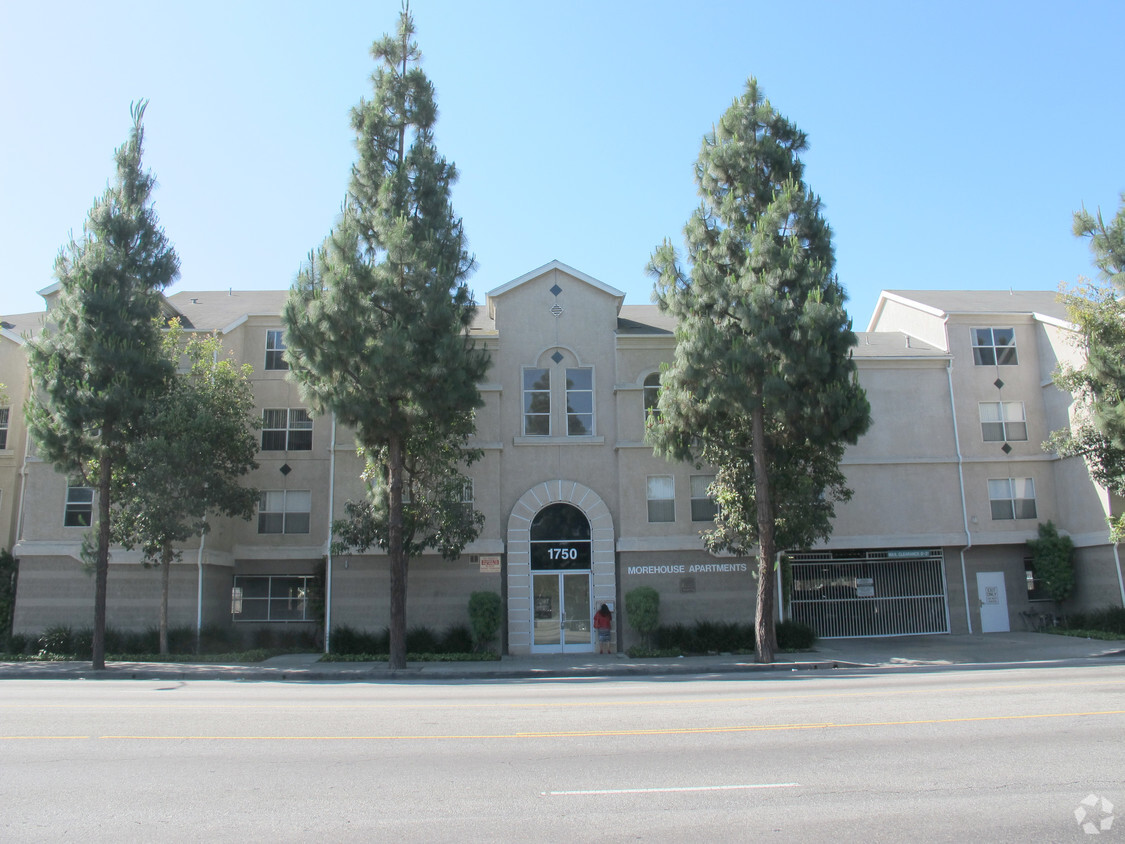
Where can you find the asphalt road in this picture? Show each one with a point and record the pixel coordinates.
(988, 755)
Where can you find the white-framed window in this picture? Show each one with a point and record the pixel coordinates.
(275, 350)
(79, 510)
(283, 597)
(467, 500)
(661, 498)
(580, 402)
(994, 347)
(537, 402)
(703, 507)
(286, 429)
(5, 413)
(284, 511)
(1003, 421)
(1012, 498)
(651, 395)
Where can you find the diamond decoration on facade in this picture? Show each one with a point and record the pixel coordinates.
(557, 309)
(1007, 449)
(557, 356)
(285, 469)
(998, 384)
(555, 290)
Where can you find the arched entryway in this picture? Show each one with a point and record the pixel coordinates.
(560, 565)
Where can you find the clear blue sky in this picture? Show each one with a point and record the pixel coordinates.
(950, 142)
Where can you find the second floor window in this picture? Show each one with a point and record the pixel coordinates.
(661, 498)
(79, 506)
(284, 511)
(4, 413)
(1012, 498)
(994, 347)
(703, 507)
(1003, 421)
(652, 398)
(286, 429)
(537, 402)
(275, 350)
(579, 402)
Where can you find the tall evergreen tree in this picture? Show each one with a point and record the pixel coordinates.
(377, 322)
(100, 365)
(762, 385)
(188, 453)
(1097, 308)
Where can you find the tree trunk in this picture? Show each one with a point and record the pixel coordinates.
(101, 566)
(765, 633)
(397, 554)
(165, 581)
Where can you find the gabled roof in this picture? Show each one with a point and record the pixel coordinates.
(1040, 304)
(211, 310)
(546, 268)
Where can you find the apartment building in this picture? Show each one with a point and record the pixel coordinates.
(950, 482)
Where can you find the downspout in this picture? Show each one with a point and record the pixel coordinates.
(328, 541)
(199, 589)
(1117, 562)
(23, 484)
(961, 482)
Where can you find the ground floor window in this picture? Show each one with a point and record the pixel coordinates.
(271, 597)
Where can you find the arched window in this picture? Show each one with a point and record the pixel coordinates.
(652, 397)
(560, 538)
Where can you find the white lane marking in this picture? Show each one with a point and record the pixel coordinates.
(667, 790)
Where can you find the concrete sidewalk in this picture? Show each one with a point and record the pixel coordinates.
(903, 652)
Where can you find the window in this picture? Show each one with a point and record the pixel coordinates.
(275, 350)
(661, 498)
(703, 508)
(79, 506)
(284, 511)
(286, 429)
(467, 501)
(1003, 421)
(271, 598)
(580, 402)
(994, 346)
(4, 413)
(537, 402)
(652, 398)
(1012, 498)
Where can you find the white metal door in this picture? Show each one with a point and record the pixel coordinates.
(993, 602)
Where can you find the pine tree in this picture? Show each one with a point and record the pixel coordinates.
(1097, 308)
(377, 322)
(189, 450)
(762, 385)
(100, 365)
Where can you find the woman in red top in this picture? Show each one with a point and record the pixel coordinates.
(603, 621)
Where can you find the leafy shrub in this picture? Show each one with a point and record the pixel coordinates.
(485, 616)
(348, 640)
(422, 640)
(1053, 558)
(1106, 620)
(61, 641)
(642, 610)
(457, 639)
(795, 636)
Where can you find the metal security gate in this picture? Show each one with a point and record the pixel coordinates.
(897, 592)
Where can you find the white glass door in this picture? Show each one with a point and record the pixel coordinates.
(561, 613)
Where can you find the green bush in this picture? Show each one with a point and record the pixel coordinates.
(348, 640)
(486, 612)
(795, 636)
(422, 640)
(642, 610)
(1106, 620)
(457, 639)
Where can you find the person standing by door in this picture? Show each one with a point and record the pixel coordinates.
(603, 622)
